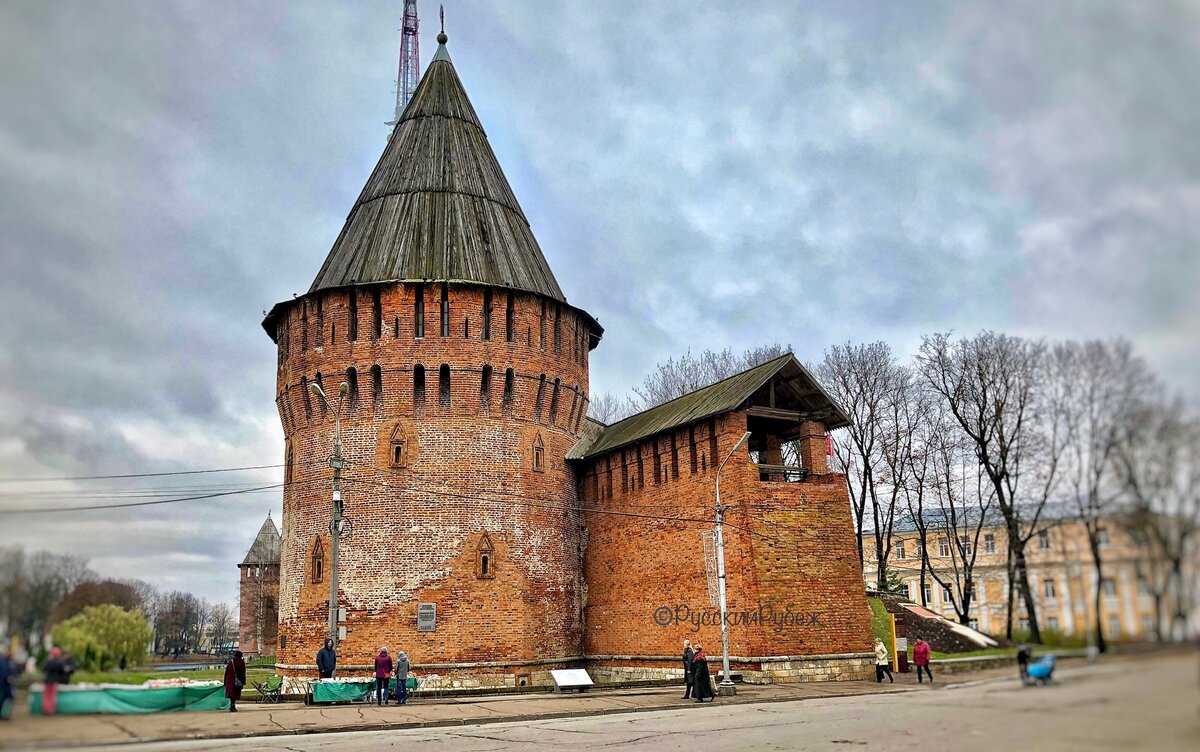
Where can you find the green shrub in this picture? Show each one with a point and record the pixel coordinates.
(102, 637)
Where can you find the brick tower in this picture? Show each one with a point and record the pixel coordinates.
(468, 383)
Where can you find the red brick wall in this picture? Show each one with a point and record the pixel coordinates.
(415, 531)
(795, 554)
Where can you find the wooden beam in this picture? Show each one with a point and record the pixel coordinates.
(774, 413)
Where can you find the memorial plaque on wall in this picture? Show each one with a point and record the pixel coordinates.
(426, 617)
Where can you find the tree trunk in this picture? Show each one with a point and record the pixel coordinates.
(1035, 634)
(1101, 645)
(1008, 627)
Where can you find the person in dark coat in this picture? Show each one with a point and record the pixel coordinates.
(8, 669)
(235, 679)
(326, 660)
(54, 672)
(402, 667)
(687, 669)
(1023, 656)
(383, 676)
(701, 681)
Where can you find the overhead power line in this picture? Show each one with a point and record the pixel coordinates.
(137, 475)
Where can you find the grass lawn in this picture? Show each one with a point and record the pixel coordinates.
(881, 624)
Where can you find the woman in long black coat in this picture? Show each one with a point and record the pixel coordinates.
(701, 682)
(687, 669)
(235, 679)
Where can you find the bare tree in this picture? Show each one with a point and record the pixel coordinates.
(962, 502)
(608, 408)
(224, 623)
(989, 383)
(31, 585)
(862, 380)
(676, 377)
(1158, 463)
(1102, 382)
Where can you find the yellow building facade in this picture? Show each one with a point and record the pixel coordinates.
(1061, 575)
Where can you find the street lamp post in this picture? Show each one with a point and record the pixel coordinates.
(726, 687)
(335, 526)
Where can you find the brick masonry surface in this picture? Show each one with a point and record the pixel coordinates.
(471, 467)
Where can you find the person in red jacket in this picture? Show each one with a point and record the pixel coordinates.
(921, 659)
(383, 676)
(235, 679)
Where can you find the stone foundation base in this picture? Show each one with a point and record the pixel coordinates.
(466, 678)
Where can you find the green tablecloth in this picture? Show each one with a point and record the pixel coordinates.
(347, 691)
(128, 701)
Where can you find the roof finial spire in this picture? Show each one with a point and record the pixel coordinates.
(441, 37)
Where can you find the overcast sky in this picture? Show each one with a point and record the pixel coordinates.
(698, 175)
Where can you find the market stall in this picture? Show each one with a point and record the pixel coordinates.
(342, 690)
(155, 696)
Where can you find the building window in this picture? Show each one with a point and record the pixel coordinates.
(508, 318)
(377, 389)
(487, 314)
(1023, 624)
(418, 387)
(943, 547)
(445, 310)
(1109, 587)
(641, 476)
(444, 387)
(397, 456)
(1102, 536)
(485, 387)
(376, 314)
(1048, 589)
(1142, 585)
(947, 594)
(317, 563)
(989, 543)
(541, 394)
(486, 554)
(900, 552)
(965, 543)
(927, 593)
(1148, 627)
(973, 623)
(1114, 627)
(542, 328)
(507, 399)
(352, 329)
(539, 455)
(554, 403)
(557, 330)
(352, 382)
(419, 311)
(1052, 623)
(1044, 540)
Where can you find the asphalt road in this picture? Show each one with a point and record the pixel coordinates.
(1144, 704)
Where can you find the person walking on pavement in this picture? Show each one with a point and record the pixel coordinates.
(383, 675)
(883, 664)
(54, 672)
(921, 659)
(401, 678)
(8, 669)
(1023, 656)
(701, 681)
(687, 669)
(235, 679)
(326, 660)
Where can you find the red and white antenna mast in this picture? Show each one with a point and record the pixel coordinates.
(409, 73)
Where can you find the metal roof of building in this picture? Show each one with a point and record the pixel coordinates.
(437, 207)
(722, 397)
(265, 549)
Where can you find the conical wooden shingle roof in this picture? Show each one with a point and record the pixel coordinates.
(265, 549)
(438, 207)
